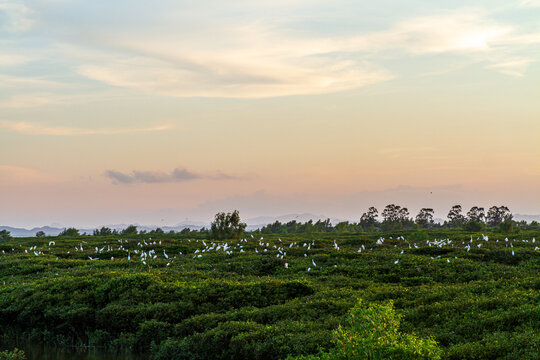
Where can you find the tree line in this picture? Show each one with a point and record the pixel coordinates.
(395, 217)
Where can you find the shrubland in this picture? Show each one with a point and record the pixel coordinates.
(407, 294)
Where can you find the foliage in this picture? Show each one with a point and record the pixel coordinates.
(227, 226)
(15, 354)
(40, 234)
(476, 214)
(271, 296)
(425, 217)
(104, 231)
(456, 219)
(130, 230)
(498, 214)
(72, 232)
(369, 219)
(5, 235)
(372, 332)
(474, 226)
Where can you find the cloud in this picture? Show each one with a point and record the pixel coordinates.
(258, 60)
(530, 3)
(17, 15)
(33, 129)
(241, 79)
(448, 31)
(151, 177)
(13, 60)
(512, 67)
(20, 175)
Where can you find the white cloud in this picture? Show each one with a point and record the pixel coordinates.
(450, 31)
(512, 67)
(18, 16)
(255, 61)
(530, 3)
(163, 78)
(33, 129)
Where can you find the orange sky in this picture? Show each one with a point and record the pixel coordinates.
(98, 112)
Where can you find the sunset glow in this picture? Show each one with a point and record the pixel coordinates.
(124, 112)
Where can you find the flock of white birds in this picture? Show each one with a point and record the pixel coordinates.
(149, 250)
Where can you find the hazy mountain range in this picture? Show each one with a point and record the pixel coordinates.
(252, 224)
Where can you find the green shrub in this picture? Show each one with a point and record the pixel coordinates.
(15, 354)
(372, 332)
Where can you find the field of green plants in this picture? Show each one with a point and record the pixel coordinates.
(271, 296)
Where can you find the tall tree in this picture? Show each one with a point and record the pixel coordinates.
(425, 217)
(391, 213)
(476, 214)
(369, 218)
(498, 214)
(456, 219)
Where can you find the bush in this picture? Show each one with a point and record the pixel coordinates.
(371, 332)
(16, 354)
(474, 226)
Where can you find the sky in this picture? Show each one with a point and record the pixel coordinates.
(166, 111)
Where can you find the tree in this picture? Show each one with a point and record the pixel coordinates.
(227, 226)
(369, 218)
(130, 230)
(390, 213)
(425, 217)
(5, 235)
(104, 231)
(69, 232)
(395, 217)
(498, 214)
(403, 215)
(476, 214)
(40, 234)
(456, 219)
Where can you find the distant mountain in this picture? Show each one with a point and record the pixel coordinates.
(20, 232)
(527, 218)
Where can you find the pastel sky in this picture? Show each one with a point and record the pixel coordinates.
(157, 111)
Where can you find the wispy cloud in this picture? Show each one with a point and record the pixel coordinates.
(35, 129)
(215, 77)
(150, 177)
(264, 61)
(13, 60)
(512, 66)
(448, 31)
(530, 3)
(10, 174)
(18, 16)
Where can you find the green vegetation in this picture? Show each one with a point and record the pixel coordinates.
(227, 226)
(15, 354)
(455, 295)
(372, 333)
